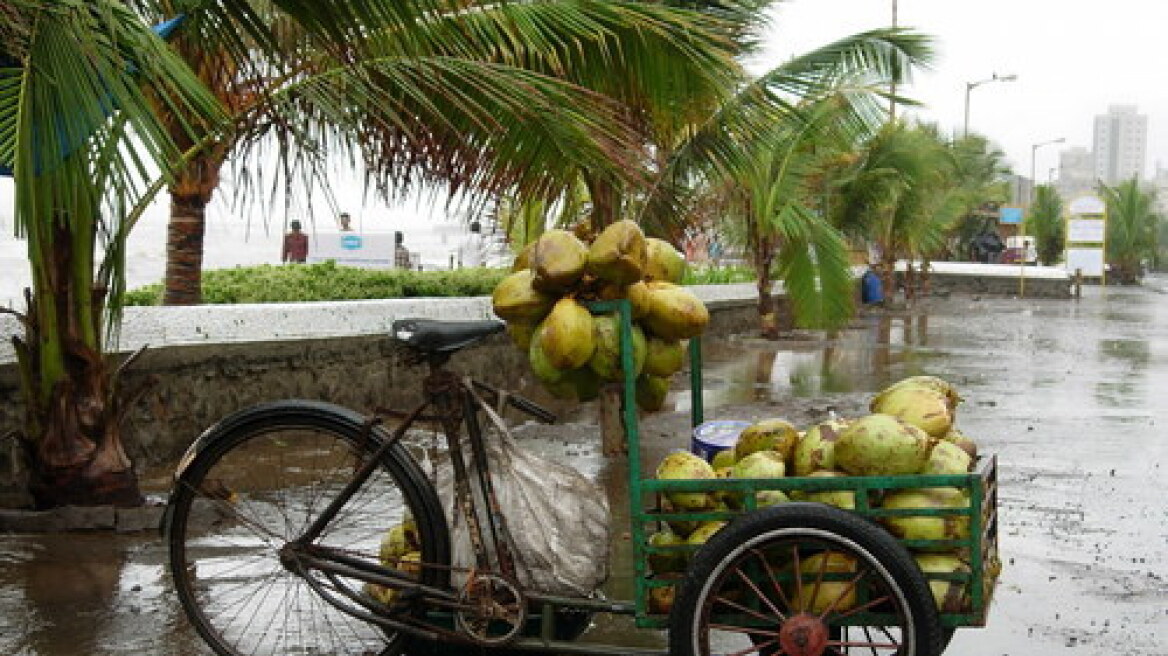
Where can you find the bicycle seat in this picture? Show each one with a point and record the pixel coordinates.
(437, 336)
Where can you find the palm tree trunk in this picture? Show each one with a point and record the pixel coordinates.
(189, 196)
(184, 250)
(763, 259)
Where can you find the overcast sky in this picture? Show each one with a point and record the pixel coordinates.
(1073, 59)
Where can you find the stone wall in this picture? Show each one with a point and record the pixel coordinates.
(188, 386)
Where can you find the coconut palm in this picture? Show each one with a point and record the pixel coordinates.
(1046, 224)
(425, 93)
(77, 83)
(94, 105)
(901, 195)
(1132, 228)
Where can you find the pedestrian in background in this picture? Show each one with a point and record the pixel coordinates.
(401, 256)
(295, 245)
(346, 222)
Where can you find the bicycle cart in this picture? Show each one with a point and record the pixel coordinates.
(277, 530)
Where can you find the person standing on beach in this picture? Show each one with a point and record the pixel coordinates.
(295, 245)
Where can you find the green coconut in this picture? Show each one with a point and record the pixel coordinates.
(760, 464)
(923, 407)
(515, 299)
(816, 448)
(768, 498)
(767, 435)
(947, 458)
(939, 385)
(672, 561)
(651, 392)
(680, 527)
(919, 527)
(674, 312)
(816, 596)
(606, 360)
(962, 440)
(881, 445)
(664, 357)
(558, 261)
(521, 333)
(683, 465)
(663, 261)
(567, 335)
(543, 367)
(704, 532)
(845, 499)
(951, 596)
(722, 459)
(394, 545)
(618, 253)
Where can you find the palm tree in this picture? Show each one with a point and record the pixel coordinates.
(900, 195)
(1132, 228)
(1046, 224)
(94, 105)
(77, 80)
(424, 93)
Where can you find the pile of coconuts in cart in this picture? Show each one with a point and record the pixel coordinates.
(573, 353)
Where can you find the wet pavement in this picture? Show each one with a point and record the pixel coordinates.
(1067, 393)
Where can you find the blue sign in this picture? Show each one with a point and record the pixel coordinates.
(351, 242)
(1010, 215)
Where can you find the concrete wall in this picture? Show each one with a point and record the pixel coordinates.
(190, 384)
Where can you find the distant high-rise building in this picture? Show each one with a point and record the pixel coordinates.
(1121, 144)
(1076, 172)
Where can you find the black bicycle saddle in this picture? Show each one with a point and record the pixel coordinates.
(439, 336)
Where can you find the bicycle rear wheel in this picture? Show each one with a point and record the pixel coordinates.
(257, 481)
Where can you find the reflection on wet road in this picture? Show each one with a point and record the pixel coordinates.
(1069, 394)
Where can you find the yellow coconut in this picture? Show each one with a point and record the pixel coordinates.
(939, 385)
(543, 367)
(663, 261)
(767, 435)
(523, 259)
(962, 440)
(558, 261)
(567, 335)
(638, 295)
(618, 253)
(704, 532)
(683, 465)
(394, 545)
(514, 299)
(947, 458)
(674, 312)
(845, 499)
(951, 596)
(816, 595)
(881, 445)
(921, 527)
(816, 448)
(922, 407)
(723, 459)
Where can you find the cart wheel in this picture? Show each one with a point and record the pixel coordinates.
(804, 579)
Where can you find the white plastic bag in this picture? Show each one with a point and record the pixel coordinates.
(557, 518)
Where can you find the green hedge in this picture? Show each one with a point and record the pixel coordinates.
(292, 283)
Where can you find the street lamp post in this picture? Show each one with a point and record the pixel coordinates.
(1030, 208)
(970, 86)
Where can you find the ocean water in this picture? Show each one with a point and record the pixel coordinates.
(233, 238)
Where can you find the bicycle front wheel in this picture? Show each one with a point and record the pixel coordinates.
(257, 481)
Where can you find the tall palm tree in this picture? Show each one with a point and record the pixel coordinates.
(1046, 224)
(77, 83)
(1132, 228)
(477, 95)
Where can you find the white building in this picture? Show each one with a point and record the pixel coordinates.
(1120, 144)
(1076, 172)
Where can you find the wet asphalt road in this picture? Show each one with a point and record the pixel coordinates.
(1069, 394)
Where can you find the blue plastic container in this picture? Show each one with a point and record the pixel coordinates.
(713, 436)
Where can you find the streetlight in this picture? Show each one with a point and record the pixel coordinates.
(1029, 207)
(970, 86)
